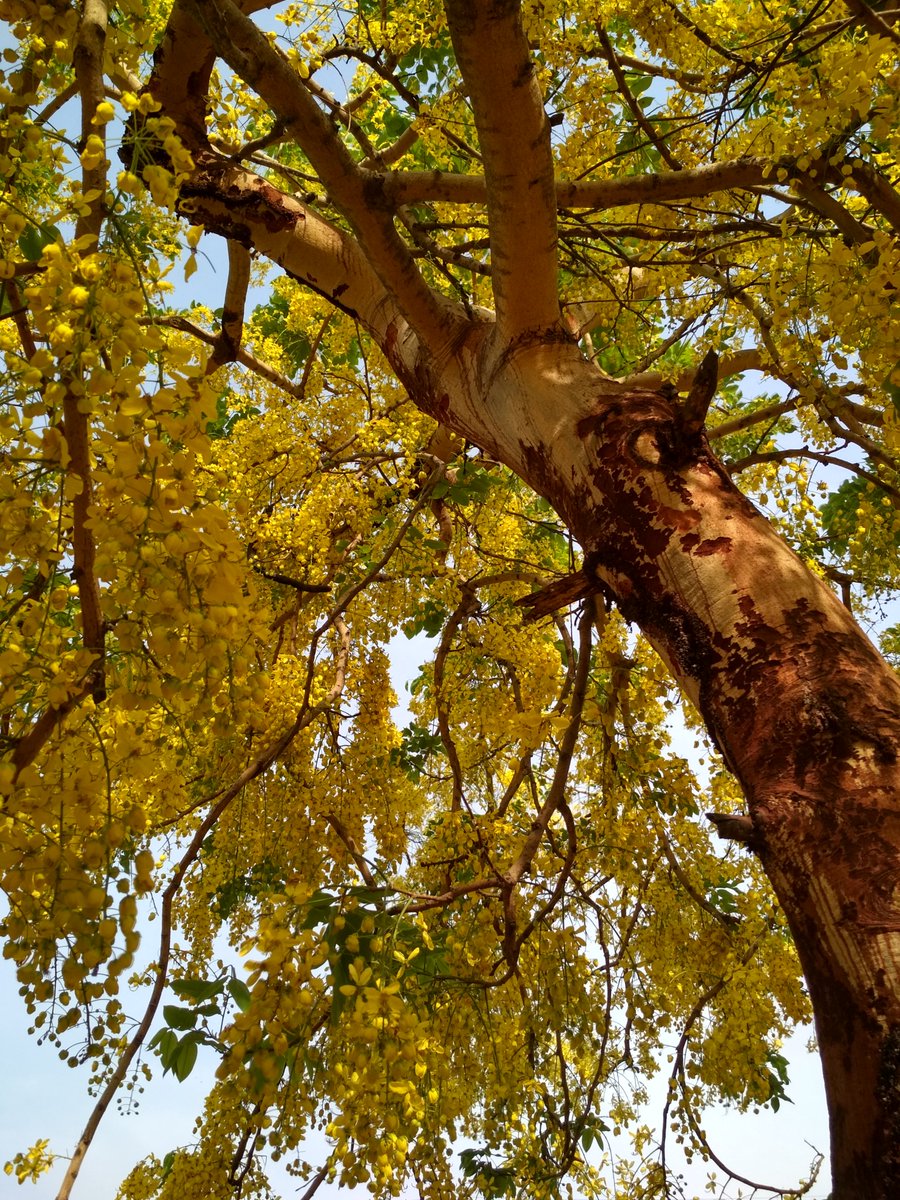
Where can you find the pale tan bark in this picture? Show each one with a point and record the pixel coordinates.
(237, 203)
(409, 187)
(250, 53)
(500, 78)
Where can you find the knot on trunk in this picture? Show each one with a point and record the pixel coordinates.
(693, 409)
(559, 594)
(735, 827)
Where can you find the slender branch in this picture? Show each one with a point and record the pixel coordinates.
(248, 51)
(729, 920)
(19, 315)
(397, 149)
(703, 37)
(244, 357)
(873, 21)
(341, 830)
(681, 330)
(228, 342)
(676, 1077)
(828, 460)
(409, 187)
(637, 112)
(876, 189)
(88, 63)
(824, 203)
(313, 351)
(29, 745)
(731, 364)
(53, 106)
(557, 791)
(424, 903)
(84, 552)
(318, 1179)
(221, 801)
(561, 881)
(464, 610)
(771, 412)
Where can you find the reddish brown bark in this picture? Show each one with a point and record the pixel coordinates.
(801, 705)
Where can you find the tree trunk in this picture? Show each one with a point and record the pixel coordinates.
(804, 710)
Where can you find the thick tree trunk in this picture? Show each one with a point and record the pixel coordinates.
(803, 708)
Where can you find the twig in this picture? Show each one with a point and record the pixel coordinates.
(341, 830)
(556, 794)
(636, 111)
(222, 800)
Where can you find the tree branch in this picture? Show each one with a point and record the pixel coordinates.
(556, 794)
(409, 187)
(228, 343)
(362, 866)
(234, 202)
(771, 412)
(637, 112)
(872, 20)
(514, 135)
(249, 52)
(876, 189)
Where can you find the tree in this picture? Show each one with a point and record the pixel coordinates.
(551, 278)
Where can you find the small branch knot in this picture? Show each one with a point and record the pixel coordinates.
(692, 412)
(734, 827)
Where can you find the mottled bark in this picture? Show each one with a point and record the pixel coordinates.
(804, 710)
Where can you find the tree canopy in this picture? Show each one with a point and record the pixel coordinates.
(458, 947)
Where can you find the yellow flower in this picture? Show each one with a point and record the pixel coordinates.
(94, 153)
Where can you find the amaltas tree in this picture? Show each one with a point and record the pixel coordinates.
(565, 336)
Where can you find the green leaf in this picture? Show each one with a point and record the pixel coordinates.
(239, 993)
(179, 1018)
(185, 1058)
(429, 620)
(33, 240)
(320, 909)
(166, 1042)
(197, 989)
(274, 321)
(417, 746)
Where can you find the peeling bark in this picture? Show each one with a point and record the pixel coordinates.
(804, 710)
